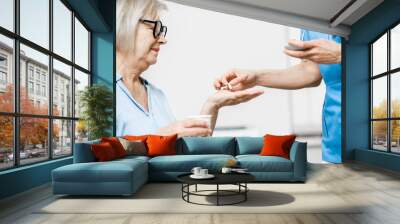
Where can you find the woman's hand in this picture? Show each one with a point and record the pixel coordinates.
(238, 79)
(188, 127)
(223, 98)
(319, 51)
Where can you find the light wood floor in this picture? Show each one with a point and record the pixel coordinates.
(378, 188)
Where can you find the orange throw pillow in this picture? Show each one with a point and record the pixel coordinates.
(277, 145)
(103, 152)
(136, 138)
(116, 145)
(161, 145)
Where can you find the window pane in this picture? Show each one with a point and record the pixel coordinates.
(62, 29)
(81, 45)
(395, 94)
(62, 138)
(34, 79)
(81, 131)
(379, 97)
(379, 55)
(395, 47)
(6, 74)
(81, 81)
(6, 142)
(7, 14)
(379, 135)
(33, 139)
(62, 89)
(395, 136)
(35, 21)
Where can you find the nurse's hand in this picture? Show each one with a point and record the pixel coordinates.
(188, 127)
(228, 98)
(319, 51)
(238, 79)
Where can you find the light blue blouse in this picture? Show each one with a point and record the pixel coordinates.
(133, 119)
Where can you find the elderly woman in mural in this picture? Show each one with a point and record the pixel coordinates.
(320, 56)
(143, 108)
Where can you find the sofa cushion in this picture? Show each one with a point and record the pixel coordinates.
(249, 145)
(136, 147)
(116, 145)
(161, 145)
(275, 145)
(185, 163)
(112, 171)
(83, 152)
(103, 152)
(257, 163)
(206, 145)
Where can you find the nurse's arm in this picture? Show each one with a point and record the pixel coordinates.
(303, 75)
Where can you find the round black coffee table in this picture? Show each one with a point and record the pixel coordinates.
(238, 179)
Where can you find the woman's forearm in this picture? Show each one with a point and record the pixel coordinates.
(302, 75)
(212, 109)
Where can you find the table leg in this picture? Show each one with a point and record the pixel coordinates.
(245, 193)
(196, 187)
(217, 194)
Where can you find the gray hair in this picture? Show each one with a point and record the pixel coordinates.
(128, 14)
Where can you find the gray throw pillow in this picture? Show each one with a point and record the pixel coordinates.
(137, 148)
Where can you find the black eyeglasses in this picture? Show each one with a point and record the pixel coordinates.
(158, 28)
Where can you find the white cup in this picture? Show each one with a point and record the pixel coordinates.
(203, 172)
(206, 118)
(226, 170)
(196, 171)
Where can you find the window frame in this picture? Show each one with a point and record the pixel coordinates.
(388, 74)
(16, 115)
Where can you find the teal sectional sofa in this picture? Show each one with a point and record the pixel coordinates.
(125, 176)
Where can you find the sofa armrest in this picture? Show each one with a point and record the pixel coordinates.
(298, 155)
(83, 152)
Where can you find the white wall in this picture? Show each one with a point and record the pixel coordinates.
(204, 44)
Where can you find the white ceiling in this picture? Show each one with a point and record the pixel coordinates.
(319, 15)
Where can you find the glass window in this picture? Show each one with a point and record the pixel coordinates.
(379, 135)
(81, 45)
(40, 62)
(62, 72)
(81, 81)
(379, 56)
(6, 82)
(35, 21)
(37, 75)
(395, 95)
(33, 140)
(3, 78)
(7, 14)
(37, 89)
(30, 87)
(395, 47)
(43, 90)
(6, 142)
(81, 131)
(30, 72)
(62, 138)
(62, 29)
(395, 136)
(3, 60)
(379, 98)
(34, 80)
